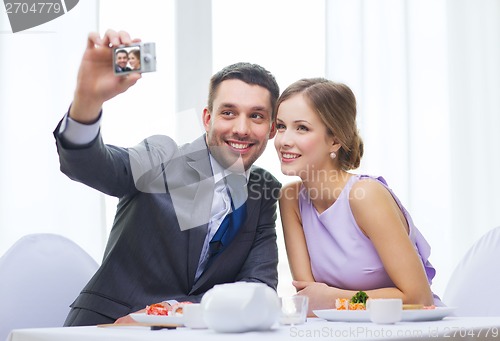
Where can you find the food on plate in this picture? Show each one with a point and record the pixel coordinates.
(164, 309)
(357, 306)
(412, 306)
(157, 309)
(418, 307)
(356, 302)
(359, 297)
(342, 304)
(178, 308)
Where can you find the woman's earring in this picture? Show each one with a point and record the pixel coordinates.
(333, 155)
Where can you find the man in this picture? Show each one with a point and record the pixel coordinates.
(121, 58)
(171, 239)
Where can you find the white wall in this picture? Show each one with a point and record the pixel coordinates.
(38, 69)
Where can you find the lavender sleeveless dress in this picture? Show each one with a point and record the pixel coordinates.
(341, 255)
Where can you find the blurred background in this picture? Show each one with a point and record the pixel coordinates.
(426, 74)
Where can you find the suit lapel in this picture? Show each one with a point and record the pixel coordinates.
(198, 159)
(253, 200)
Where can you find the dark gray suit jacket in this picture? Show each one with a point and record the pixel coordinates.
(149, 257)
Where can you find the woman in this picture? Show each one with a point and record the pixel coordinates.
(343, 232)
(134, 59)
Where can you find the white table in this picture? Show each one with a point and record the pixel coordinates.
(471, 328)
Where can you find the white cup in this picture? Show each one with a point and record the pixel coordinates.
(193, 316)
(385, 310)
(293, 309)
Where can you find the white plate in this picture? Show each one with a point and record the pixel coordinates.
(343, 315)
(157, 319)
(427, 314)
(363, 315)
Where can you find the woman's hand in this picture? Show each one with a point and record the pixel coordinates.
(321, 296)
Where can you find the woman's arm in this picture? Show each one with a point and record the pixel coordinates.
(381, 220)
(295, 242)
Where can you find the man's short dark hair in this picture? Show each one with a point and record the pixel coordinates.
(253, 74)
(121, 51)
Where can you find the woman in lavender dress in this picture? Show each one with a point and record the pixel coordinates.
(343, 232)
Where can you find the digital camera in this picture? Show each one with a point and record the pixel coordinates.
(140, 57)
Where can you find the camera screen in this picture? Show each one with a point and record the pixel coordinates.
(127, 59)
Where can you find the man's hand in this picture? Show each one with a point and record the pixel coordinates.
(128, 319)
(97, 81)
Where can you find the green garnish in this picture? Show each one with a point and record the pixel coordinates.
(359, 297)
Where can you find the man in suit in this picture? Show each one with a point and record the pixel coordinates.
(182, 224)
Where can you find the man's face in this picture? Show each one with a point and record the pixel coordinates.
(239, 125)
(122, 59)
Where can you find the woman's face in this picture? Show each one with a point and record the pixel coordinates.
(302, 141)
(133, 61)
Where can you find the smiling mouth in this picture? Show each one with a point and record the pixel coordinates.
(240, 146)
(289, 156)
